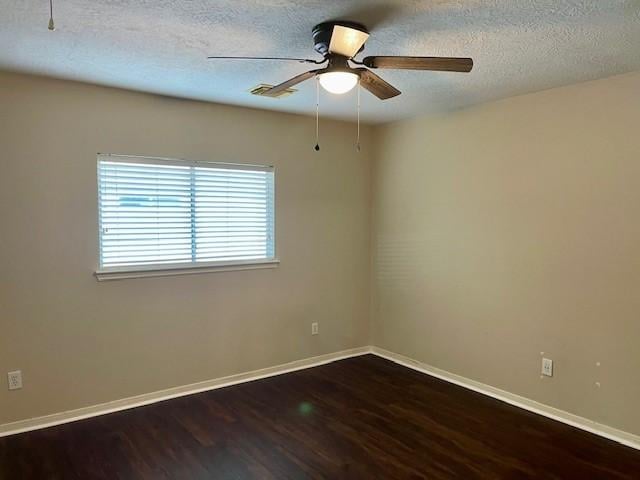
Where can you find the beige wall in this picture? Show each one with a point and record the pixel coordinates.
(511, 229)
(498, 232)
(79, 342)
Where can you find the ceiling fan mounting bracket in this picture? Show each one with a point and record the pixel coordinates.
(323, 31)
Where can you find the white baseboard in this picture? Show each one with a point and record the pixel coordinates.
(582, 423)
(159, 396)
(605, 431)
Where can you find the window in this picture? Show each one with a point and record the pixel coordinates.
(170, 216)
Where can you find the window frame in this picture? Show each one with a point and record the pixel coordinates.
(166, 269)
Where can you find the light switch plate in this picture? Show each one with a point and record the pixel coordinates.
(15, 380)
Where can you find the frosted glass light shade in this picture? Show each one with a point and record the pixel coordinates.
(338, 82)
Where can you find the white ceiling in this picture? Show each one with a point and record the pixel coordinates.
(160, 46)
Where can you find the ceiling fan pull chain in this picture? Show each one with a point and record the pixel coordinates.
(317, 147)
(52, 26)
(358, 136)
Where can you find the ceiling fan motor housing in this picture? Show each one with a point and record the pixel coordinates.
(322, 34)
(338, 63)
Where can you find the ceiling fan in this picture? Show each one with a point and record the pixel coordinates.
(339, 42)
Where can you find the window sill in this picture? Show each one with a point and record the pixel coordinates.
(121, 273)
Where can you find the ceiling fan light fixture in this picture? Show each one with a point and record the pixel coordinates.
(338, 82)
(347, 41)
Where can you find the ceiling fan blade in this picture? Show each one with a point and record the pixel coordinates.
(347, 41)
(274, 91)
(301, 60)
(376, 85)
(442, 64)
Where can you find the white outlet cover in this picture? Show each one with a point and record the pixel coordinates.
(314, 328)
(547, 367)
(15, 380)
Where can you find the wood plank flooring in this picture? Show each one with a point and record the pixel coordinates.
(361, 418)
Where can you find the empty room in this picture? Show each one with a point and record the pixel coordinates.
(348, 239)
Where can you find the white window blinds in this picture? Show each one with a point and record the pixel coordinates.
(163, 213)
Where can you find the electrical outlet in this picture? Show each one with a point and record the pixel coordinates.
(314, 328)
(547, 367)
(15, 380)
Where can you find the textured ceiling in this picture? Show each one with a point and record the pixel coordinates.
(160, 46)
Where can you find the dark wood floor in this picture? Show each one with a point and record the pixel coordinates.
(362, 418)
